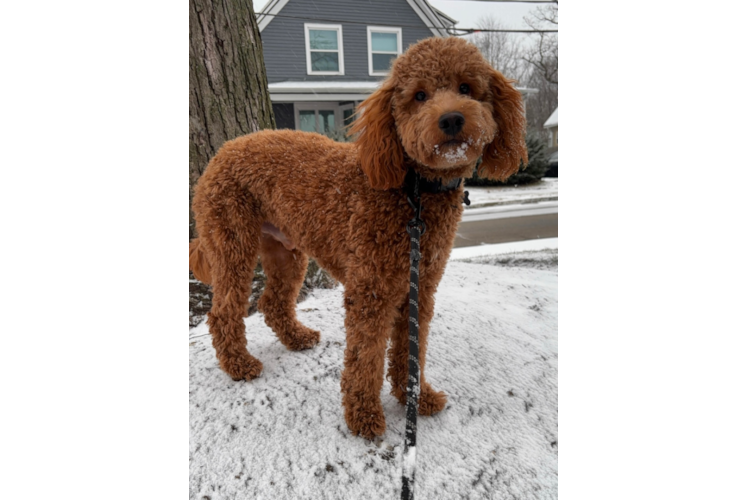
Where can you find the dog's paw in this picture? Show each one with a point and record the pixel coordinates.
(245, 367)
(301, 338)
(429, 402)
(365, 420)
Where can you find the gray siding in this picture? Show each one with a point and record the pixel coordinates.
(283, 38)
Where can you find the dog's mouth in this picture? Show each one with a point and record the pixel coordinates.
(453, 151)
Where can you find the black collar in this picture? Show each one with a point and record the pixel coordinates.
(427, 186)
(415, 185)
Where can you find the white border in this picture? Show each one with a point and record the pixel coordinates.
(382, 29)
(339, 29)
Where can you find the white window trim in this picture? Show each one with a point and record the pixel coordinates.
(382, 29)
(339, 29)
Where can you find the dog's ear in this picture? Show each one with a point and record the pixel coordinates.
(502, 157)
(379, 147)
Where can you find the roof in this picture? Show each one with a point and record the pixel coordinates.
(552, 121)
(437, 21)
(272, 7)
(293, 91)
(445, 18)
(323, 86)
(321, 91)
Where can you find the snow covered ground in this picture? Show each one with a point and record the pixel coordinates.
(492, 349)
(545, 190)
(543, 252)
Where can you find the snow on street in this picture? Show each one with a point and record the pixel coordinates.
(540, 250)
(545, 190)
(492, 349)
(510, 211)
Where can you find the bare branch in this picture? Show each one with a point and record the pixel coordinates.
(541, 58)
(502, 50)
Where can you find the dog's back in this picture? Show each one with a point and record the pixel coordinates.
(300, 182)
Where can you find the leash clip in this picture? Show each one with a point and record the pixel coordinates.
(416, 224)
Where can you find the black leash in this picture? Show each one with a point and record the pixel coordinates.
(416, 228)
(414, 186)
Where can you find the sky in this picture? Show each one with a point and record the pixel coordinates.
(469, 12)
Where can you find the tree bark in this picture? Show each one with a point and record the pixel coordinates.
(228, 85)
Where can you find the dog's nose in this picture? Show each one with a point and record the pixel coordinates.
(451, 123)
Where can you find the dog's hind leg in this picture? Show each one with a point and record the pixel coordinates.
(230, 233)
(285, 270)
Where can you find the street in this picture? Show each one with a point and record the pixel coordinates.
(503, 224)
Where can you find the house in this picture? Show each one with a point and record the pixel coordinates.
(323, 57)
(554, 145)
(553, 126)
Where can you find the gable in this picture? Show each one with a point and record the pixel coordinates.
(284, 36)
(434, 20)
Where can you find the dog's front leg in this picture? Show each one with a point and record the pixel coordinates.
(433, 264)
(369, 313)
(430, 400)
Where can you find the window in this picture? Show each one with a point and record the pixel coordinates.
(323, 117)
(324, 49)
(321, 120)
(385, 44)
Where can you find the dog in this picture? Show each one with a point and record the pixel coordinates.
(285, 195)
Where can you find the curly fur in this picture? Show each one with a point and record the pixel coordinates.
(341, 204)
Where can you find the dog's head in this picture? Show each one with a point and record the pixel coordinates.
(443, 106)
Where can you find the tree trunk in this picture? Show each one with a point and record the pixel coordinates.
(228, 85)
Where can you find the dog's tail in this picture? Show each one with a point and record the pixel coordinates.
(199, 263)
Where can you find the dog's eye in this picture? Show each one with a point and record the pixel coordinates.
(421, 96)
(464, 88)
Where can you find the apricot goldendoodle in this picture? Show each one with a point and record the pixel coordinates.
(285, 195)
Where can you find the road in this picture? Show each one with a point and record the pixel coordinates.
(503, 224)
